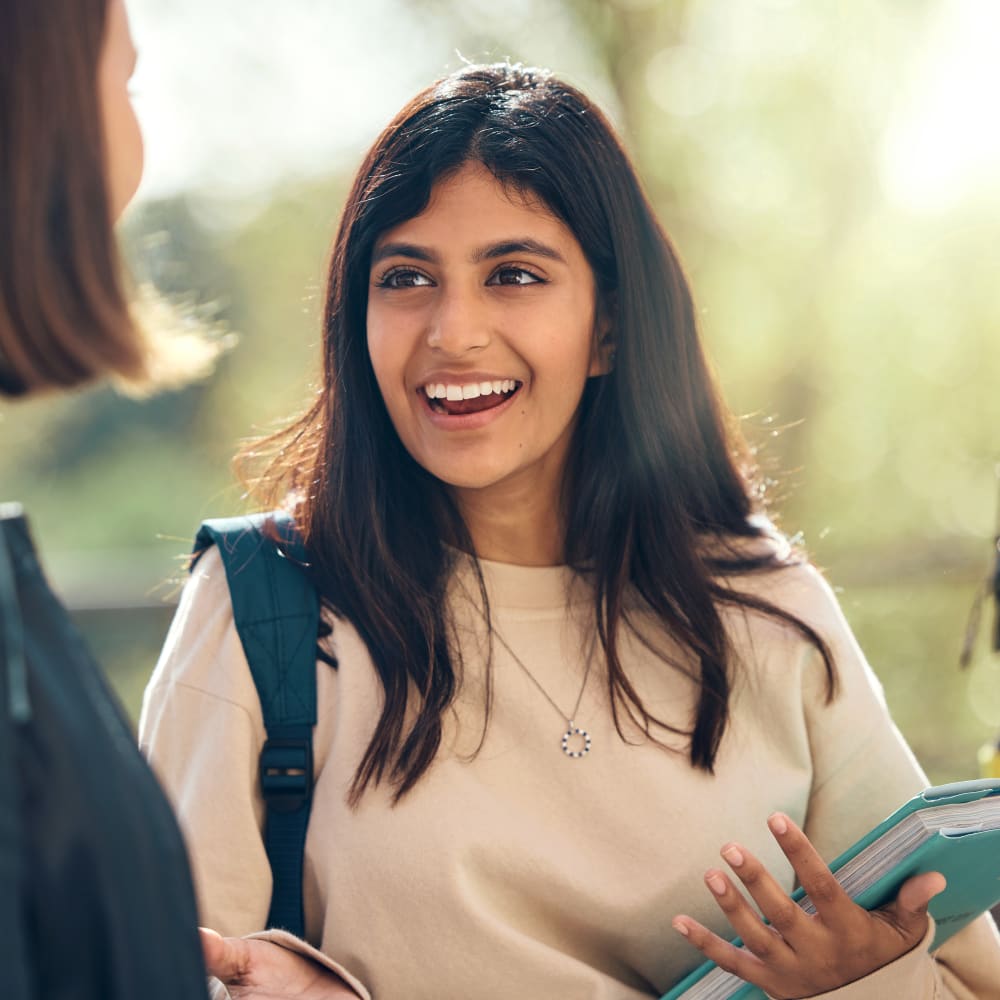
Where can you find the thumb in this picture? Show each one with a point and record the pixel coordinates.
(914, 895)
(227, 959)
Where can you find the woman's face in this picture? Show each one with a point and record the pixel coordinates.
(122, 138)
(482, 335)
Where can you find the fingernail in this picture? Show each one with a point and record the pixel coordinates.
(733, 855)
(716, 883)
(681, 928)
(778, 824)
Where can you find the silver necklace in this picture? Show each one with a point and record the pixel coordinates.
(575, 741)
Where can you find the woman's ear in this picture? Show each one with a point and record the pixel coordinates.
(603, 359)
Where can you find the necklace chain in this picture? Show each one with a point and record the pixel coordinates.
(575, 742)
(534, 680)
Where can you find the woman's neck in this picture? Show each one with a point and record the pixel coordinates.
(526, 530)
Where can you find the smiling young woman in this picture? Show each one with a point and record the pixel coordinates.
(572, 658)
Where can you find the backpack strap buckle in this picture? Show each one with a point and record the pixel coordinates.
(286, 772)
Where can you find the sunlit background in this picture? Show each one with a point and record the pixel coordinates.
(829, 172)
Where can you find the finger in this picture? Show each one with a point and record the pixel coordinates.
(227, 959)
(827, 894)
(909, 911)
(785, 917)
(726, 956)
(765, 942)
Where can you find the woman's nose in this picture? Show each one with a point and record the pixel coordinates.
(459, 324)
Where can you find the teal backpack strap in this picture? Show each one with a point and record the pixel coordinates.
(276, 610)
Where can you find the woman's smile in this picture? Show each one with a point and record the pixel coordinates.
(457, 398)
(467, 402)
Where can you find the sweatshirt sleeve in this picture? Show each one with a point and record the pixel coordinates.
(283, 939)
(202, 730)
(863, 770)
(964, 968)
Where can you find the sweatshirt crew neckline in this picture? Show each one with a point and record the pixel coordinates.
(510, 585)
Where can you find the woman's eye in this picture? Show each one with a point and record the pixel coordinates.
(513, 276)
(403, 278)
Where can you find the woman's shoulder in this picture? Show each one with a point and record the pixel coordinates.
(202, 652)
(205, 594)
(772, 569)
(786, 623)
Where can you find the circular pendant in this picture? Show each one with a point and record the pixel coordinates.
(580, 740)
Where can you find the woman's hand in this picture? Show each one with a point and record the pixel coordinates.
(797, 954)
(260, 970)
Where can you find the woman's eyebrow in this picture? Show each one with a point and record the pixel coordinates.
(503, 248)
(522, 244)
(410, 250)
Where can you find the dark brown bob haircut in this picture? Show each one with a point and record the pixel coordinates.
(64, 319)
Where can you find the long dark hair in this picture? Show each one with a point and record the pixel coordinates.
(657, 467)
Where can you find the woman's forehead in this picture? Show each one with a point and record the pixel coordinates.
(470, 208)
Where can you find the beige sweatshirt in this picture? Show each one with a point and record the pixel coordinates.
(518, 871)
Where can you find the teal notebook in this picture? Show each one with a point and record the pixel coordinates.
(953, 829)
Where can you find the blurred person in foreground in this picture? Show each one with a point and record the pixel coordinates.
(96, 900)
(529, 514)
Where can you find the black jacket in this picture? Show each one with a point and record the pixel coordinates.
(96, 901)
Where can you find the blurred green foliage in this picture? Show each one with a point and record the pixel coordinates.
(860, 332)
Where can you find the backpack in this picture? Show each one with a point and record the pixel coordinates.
(276, 611)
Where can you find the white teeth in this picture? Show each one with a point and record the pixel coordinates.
(469, 390)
